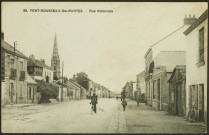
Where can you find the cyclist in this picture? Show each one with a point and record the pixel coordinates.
(94, 102)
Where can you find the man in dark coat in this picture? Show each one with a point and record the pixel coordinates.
(137, 100)
(94, 101)
(124, 104)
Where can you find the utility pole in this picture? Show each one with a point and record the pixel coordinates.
(62, 81)
(15, 43)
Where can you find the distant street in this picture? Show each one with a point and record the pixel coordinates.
(75, 117)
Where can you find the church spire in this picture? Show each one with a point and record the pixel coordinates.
(55, 60)
(55, 49)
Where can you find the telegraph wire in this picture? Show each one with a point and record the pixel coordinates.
(166, 36)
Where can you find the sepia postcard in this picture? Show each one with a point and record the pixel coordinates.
(104, 67)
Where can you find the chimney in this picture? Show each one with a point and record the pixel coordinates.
(32, 56)
(42, 60)
(2, 35)
(74, 77)
(189, 20)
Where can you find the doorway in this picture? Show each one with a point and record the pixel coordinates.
(11, 93)
(158, 92)
(33, 95)
(201, 102)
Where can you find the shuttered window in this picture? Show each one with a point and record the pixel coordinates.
(154, 89)
(201, 45)
(21, 65)
(21, 87)
(12, 63)
(148, 88)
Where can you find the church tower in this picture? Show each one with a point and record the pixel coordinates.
(55, 60)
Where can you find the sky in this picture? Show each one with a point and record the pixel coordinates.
(109, 47)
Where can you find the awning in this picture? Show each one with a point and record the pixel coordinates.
(30, 80)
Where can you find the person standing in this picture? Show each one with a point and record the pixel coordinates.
(124, 104)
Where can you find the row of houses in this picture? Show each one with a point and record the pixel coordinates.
(135, 89)
(92, 87)
(175, 75)
(29, 80)
(176, 81)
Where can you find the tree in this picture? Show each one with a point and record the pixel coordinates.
(82, 79)
(47, 90)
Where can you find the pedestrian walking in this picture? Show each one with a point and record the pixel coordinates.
(124, 104)
(94, 102)
(137, 102)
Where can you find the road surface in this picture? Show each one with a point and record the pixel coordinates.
(75, 117)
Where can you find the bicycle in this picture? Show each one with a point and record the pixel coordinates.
(93, 108)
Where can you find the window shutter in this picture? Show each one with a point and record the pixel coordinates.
(27, 92)
(201, 45)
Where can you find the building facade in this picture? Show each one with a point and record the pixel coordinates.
(173, 42)
(83, 80)
(140, 85)
(160, 70)
(147, 76)
(177, 91)
(62, 90)
(196, 67)
(32, 95)
(80, 91)
(38, 70)
(13, 75)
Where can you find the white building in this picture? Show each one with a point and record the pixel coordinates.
(196, 66)
(163, 56)
(140, 82)
(62, 90)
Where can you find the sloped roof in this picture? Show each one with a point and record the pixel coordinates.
(179, 74)
(78, 85)
(29, 79)
(59, 82)
(141, 74)
(33, 63)
(199, 20)
(72, 85)
(10, 49)
(86, 77)
(37, 63)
